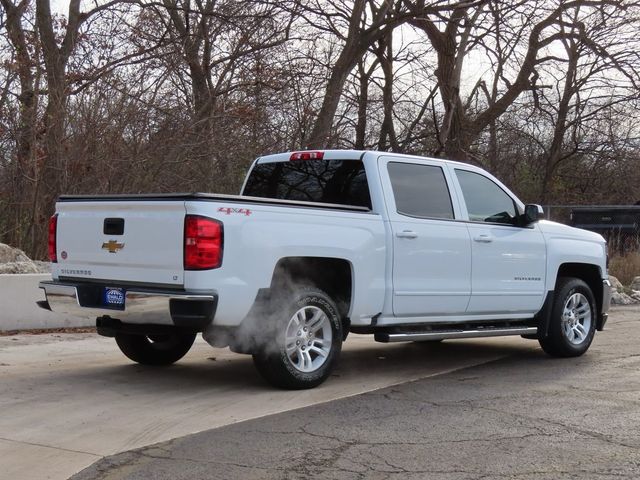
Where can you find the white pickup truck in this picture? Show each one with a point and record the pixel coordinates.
(319, 244)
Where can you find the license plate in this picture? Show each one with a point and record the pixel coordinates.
(113, 297)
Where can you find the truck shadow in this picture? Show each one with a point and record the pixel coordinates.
(369, 364)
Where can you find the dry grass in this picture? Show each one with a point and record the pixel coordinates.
(625, 267)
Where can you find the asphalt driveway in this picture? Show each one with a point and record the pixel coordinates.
(520, 416)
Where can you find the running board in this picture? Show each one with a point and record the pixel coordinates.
(386, 337)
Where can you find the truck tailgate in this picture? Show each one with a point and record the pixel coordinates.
(121, 241)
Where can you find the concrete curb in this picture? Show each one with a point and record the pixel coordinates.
(18, 310)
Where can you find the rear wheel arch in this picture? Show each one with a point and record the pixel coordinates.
(334, 276)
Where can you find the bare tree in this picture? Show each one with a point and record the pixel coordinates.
(469, 26)
(359, 25)
(24, 165)
(176, 95)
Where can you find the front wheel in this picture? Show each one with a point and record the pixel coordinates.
(155, 349)
(573, 319)
(301, 341)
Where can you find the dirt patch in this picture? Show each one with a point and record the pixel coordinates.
(44, 331)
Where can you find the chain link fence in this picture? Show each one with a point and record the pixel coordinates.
(618, 224)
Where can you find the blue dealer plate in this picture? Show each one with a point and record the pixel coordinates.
(113, 297)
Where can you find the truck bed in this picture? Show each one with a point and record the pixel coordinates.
(209, 197)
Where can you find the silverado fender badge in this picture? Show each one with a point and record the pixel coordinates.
(113, 246)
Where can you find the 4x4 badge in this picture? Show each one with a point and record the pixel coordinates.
(113, 246)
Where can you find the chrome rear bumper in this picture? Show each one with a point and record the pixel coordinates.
(142, 306)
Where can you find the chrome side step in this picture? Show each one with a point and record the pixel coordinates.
(386, 337)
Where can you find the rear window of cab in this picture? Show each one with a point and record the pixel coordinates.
(342, 182)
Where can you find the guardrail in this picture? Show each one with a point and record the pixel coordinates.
(18, 309)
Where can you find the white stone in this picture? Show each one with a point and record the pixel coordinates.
(616, 284)
(9, 254)
(618, 298)
(13, 260)
(18, 267)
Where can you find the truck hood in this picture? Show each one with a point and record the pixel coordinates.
(564, 231)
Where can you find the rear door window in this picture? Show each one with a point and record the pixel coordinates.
(420, 190)
(342, 182)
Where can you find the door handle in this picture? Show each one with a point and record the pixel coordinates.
(406, 234)
(483, 238)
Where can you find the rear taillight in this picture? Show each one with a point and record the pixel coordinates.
(307, 155)
(203, 241)
(53, 230)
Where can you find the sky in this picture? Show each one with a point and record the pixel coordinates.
(60, 6)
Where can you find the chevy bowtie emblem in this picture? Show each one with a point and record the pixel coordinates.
(113, 246)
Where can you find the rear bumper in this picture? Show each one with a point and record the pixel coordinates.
(142, 306)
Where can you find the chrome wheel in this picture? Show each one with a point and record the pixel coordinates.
(308, 339)
(576, 318)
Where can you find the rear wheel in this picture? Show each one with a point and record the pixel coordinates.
(573, 319)
(155, 349)
(301, 341)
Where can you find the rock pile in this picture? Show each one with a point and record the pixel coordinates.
(624, 296)
(14, 260)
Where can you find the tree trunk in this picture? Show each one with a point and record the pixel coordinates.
(23, 165)
(555, 151)
(388, 136)
(321, 133)
(359, 39)
(363, 100)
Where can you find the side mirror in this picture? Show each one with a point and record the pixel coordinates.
(532, 213)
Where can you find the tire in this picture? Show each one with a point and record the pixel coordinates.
(301, 340)
(155, 349)
(573, 319)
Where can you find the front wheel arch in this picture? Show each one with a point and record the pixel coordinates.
(589, 273)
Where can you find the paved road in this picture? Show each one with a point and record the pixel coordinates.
(69, 400)
(521, 416)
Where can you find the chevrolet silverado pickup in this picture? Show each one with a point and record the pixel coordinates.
(317, 245)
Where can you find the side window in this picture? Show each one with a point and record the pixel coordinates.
(486, 201)
(420, 190)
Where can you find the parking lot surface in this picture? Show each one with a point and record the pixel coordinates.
(523, 416)
(70, 399)
(495, 408)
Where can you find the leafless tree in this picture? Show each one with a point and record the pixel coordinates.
(177, 95)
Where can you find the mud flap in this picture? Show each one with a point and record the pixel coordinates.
(543, 317)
